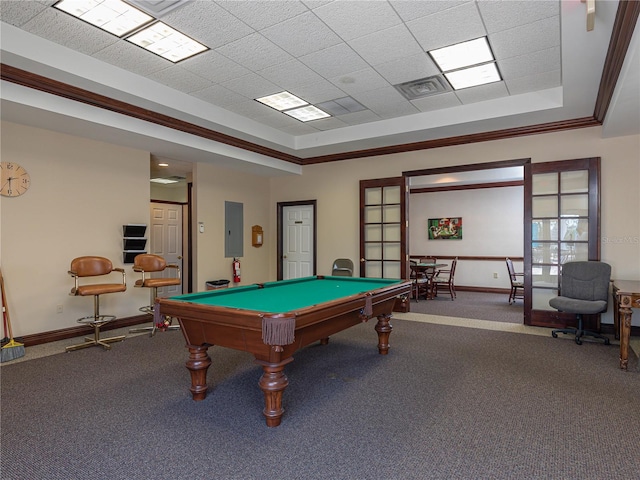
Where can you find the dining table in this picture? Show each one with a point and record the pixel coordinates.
(425, 270)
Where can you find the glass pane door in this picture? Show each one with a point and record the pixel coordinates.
(564, 227)
(383, 228)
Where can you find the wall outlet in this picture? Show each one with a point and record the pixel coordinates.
(58, 308)
(495, 274)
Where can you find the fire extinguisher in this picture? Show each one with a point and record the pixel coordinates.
(236, 270)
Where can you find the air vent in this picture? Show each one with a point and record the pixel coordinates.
(158, 8)
(424, 87)
(341, 106)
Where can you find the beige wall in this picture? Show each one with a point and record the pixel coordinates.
(335, 187)
(82, 192)
(491, 226)
(212, 187)
(80, 198)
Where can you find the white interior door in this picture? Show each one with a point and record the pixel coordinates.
(297, 244)
(166, 240)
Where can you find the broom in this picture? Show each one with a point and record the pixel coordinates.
(12, 349)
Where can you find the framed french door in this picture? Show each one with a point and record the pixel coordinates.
(383, 228)
(562, 224)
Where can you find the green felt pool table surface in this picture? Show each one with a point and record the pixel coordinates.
(287, 295)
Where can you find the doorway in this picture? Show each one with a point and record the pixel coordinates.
(165, 239)
(473, 191)
(297, 239)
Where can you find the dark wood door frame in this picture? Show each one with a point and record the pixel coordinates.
(521, 162)
(280, 233)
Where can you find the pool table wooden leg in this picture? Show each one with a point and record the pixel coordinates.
(198, 364)
(272, 383)
(383, 327)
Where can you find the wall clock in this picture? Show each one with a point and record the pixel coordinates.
(14, 179)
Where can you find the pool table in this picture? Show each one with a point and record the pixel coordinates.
(272, 320)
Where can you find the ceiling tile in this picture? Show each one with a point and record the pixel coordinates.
(207, 23)
(290, 75)
(215, 67)
(330, 123)
(219, 95)
(531, 64)
(412, 9)
(500, 16)
(540, 35)
(447, 27)
(436, 102)
(386, 102)
(254, 52)
(275, 119)
(358, 118)
(386, 45)
(534, 83)
(345, 18)
(299, 129)
(180, 79)
(252, 86)
(333, 61)
(321, 91)
(360, 81)
(482, 92)
(301, 35)
(408, 68)
(19, 13)
(250, 109)
(261, 15)
(132, 58)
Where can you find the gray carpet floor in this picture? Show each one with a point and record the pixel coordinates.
(478, 305)
(446, 403)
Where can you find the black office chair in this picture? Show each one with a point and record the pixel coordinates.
(584, 290)
(342, 267)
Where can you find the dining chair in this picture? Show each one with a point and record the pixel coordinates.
(445, 279)
(517, 286)
(420, 281)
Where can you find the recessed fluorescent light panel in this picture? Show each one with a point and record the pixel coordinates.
(471, 77)
(164, 181)
(467, 64)
(293, 106)
(306, 114)
(113, 16)
(167, 42)
(282, 101)
(463, 54)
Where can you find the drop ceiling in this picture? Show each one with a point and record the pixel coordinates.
(321, 51)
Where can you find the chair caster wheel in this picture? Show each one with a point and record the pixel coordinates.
(607, 342)
(578, 341)
(554, 334)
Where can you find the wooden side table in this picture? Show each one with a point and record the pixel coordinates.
(626, 295)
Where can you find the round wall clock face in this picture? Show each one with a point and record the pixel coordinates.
(14, 179)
